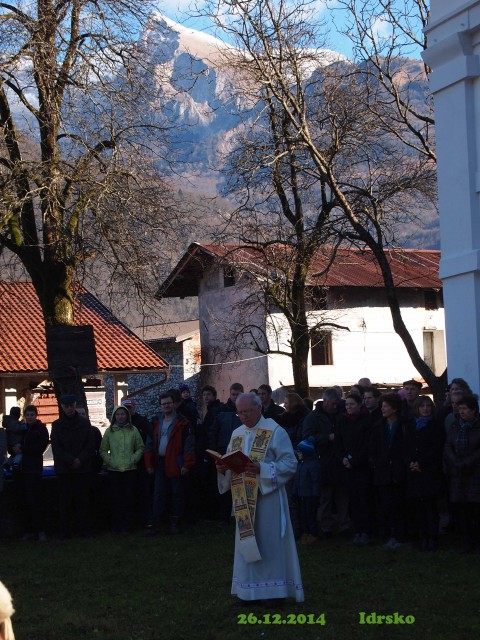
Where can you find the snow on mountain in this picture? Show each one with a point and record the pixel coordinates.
(200, 93)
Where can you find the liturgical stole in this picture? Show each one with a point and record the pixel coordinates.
(245, 493)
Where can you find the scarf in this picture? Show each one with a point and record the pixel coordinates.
(390, 432)
(420, 423)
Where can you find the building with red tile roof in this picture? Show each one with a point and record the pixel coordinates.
(351, 267)
(364, 344)
(23, 356)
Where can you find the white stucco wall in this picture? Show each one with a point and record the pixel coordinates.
(218, 315)
(191, 356)
(371, 348)
(454, 55)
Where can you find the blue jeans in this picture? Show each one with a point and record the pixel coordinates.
(165, 490)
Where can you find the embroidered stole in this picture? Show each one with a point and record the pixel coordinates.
(245, 492)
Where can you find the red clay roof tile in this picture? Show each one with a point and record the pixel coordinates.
(417, 268)
(22, 337)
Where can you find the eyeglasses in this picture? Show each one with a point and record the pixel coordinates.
(245, 412)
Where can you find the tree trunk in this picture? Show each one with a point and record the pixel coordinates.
(300, 349)
(437, 384)
(54, 290)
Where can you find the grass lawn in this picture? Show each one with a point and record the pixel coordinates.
(177, 587)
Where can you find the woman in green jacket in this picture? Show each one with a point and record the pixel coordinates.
(121, 450)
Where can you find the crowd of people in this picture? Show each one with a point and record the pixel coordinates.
(370, 466)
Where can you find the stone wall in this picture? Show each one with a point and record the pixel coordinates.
(147, 403)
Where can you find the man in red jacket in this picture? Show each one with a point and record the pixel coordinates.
(169, 454)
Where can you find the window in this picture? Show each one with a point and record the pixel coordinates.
(434, 352)
(319, 298)
(321, 348)
(431, 300)
(228, 276)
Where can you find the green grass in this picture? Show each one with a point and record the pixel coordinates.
(177, 588)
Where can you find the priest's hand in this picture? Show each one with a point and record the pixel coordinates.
(253, 467)
(221, 468)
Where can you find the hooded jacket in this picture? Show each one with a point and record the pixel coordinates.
(122, 445)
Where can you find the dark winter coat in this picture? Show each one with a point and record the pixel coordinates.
(273, 411)
(224, 424)
(142, 423)
(306, 482)
(202, 433)
(188, 409)
(144, 428)
(34, 445)
(389, 463)
(292, 422)
(15, 432)
(320, 424)
(72, 438)
(464, 466)
(425, 446)
(352, 441)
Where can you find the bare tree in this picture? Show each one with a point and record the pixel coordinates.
(278, 309)
(367, 184)
(78, 143)
(384, 34)
(283, 215)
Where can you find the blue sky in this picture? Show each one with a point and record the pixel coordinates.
(180, 11)
(327, 10)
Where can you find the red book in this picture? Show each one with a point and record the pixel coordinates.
(236, 461)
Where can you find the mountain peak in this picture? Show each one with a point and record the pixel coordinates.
(197, 43)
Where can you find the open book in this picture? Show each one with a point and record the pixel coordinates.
(235, 460)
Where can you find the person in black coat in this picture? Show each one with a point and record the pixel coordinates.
(351, 445)
(73, 448)
(292, 418)
(269, 408)
(219, 434)
(388, 459)
(321, 424)
(462, 454)
(371, 402)
(143, 491)
(425, 439)
(206, 487)
(292, 421)
(34, 445)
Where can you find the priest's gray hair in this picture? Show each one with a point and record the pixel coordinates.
(251, 396)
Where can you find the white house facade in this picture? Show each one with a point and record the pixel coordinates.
(370, 347)
(365, 345)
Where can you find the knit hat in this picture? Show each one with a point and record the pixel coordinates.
(306, 447)
(68, 398)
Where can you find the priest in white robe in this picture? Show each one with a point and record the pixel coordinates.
(266, 563)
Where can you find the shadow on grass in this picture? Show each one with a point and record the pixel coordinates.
(177, 588)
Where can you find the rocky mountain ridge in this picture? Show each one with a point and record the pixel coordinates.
(199, 93)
